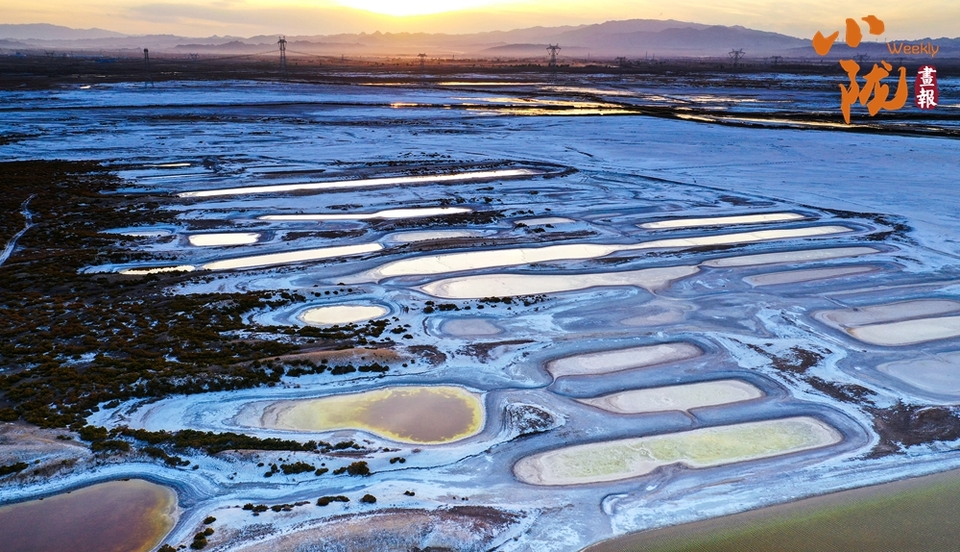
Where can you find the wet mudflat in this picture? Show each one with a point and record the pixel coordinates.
(913, 515)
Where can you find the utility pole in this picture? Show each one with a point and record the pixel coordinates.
(735, 55)
(554, 50)
(282, 42)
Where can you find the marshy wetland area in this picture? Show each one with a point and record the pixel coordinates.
(519, 311)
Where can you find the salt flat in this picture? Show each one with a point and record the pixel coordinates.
(573, 328)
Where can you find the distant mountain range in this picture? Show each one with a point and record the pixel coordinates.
(631, 38)
(44, 31)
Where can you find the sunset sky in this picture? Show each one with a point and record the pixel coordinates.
(801, 18)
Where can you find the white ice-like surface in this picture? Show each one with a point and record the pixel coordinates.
(908, 332)
(470, 327)
(476, 260)
(158, 270)
(877, 314)
(146, 233)
(604, 362)
(806, 275)
(306, 255)
(746, 237)
(384, 214)
(497, 285)
(227, 238)
(805, 255)
(341, 314)
(363, 183)
(545, 220)
(722, 221)
(939, 374)
(676, 397)
(427, 235)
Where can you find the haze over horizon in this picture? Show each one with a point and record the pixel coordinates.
(245, 18)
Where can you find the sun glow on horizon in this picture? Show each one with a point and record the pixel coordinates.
(415, 7)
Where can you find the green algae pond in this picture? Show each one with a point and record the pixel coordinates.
(117, 516)
(917, 514)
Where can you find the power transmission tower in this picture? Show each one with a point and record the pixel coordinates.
(422, 57)
(146, 65)
(622, 62)
(861, 58)
(776, 59)
(282, 42)
(735, 55)
(554, 50)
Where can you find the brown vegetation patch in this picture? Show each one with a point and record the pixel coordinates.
(906, 425)
(352, 354)
(70, 341)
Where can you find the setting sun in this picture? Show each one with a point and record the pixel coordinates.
(414, 7)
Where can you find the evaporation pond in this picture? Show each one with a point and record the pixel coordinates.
(414, 414)
(118, 516)
(341, 314)
(676, 397)
(699, 448)
(939, 374)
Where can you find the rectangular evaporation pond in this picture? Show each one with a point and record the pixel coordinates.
(476, 260)
(512, 285)
(807, 275)
(939, 375)
(605, 362)
(306, 255)
(676, 397)
(908, 332)
(363, 183)
(389, 214)
(231, 238)
(914, 514)
(698, 448)
(890, 312)
(428, 235)
(722, 221)
(806, 255)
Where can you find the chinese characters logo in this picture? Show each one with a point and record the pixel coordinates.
(874, 93)
(925, 88)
